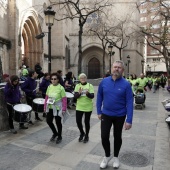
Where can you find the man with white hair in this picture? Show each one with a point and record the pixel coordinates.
(114, 107)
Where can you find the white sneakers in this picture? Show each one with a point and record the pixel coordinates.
(116, 163)
(106, 160)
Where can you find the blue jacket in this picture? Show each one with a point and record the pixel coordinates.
(44, 85)
(12, 94)
(29, 87)
(115, 98)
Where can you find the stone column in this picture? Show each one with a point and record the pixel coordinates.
(13, 34)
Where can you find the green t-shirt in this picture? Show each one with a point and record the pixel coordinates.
(84, 103)
(24, 72)
(142, 82)
(55, 92)
(133, 82)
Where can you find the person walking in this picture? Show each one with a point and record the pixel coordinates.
(55, 105)
(114, 107)
(29, 87)
(84, 93)
(44, 85)
(38, 70)
(60, 73)
(12, 97)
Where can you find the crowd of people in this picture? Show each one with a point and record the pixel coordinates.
(114, 102)
(53, 90)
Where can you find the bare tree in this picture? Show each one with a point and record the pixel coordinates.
(120, 34)
(156, 32)
(81, 10)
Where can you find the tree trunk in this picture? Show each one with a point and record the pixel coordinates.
(80, 48)
(3, 113)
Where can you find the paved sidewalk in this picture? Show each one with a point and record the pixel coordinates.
(145, 146)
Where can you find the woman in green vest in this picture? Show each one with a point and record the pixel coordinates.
(84, 93)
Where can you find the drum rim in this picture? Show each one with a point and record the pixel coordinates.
(36, 99)
(23, 111)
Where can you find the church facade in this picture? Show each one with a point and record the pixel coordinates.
(22, 21)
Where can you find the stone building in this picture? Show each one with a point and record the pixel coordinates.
(22, 20)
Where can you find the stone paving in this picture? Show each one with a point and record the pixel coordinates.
(145, 146)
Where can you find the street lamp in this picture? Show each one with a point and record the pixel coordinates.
(49, 20)
(128, 62)
(142, 63)
(110, 53)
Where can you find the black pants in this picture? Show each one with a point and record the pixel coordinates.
(79, 115)
(106, 124)
(49, 119)
(30, 102)
(10, 116)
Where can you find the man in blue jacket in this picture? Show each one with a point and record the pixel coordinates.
(114, 106)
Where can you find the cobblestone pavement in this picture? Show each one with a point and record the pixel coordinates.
(145, 146)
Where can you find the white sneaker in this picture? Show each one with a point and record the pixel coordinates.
(116, 163)
(105, 161)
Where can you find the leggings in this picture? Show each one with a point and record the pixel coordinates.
(106, 124)
(79, 115)
(49, 119)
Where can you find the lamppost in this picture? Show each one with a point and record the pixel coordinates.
(128, 62)
(148, 69)
(142, 63)
(49, 20)
(110, 53)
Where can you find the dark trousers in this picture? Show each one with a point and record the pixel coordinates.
(10, 116)
(49, 119)
(79, 115)
(30, 102)
(106, 124)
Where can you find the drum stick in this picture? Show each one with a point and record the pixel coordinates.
(35, 89)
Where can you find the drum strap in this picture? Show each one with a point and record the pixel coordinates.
(10, 104)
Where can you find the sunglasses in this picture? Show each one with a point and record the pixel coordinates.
(54, 79)
(16, 81)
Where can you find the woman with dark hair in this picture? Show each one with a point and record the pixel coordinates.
(44, 85)
(55, 105)
(12, 97)
(29, 87)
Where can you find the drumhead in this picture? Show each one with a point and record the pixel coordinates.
(167, 105)
(69, 95)
(22, 108)
(167, 119)
(39, 101)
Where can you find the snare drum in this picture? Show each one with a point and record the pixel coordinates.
(38, 105)
(69, 95)
(22, 113)
(167, 107)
